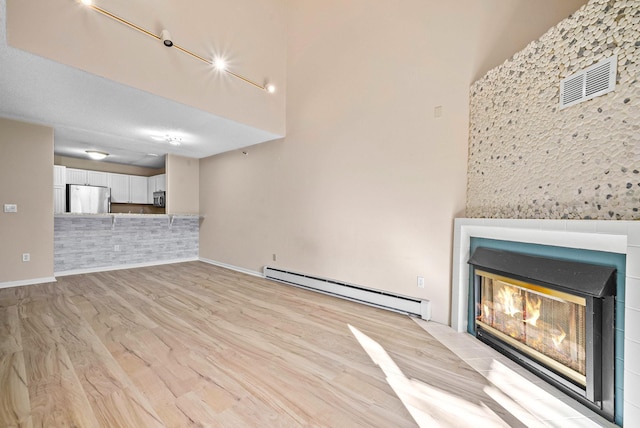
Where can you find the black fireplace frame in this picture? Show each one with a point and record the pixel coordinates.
(596, 284)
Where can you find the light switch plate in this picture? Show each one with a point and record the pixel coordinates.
(10, 208)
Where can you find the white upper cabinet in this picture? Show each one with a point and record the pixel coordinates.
(128, 189)
(161, 182)
(59, 189)
(125, 189)
(156, 183)
(84, 177)
(138, 192)
(96, 178)
(120, 192)
(76, 176)
(59, 175)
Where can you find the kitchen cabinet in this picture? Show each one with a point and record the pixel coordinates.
(59, 189)
(138, 189)
(120, 192)
(59, 175)
(59, 199)
(157, 183)
(76, 176)
(125, 189)
(84, 177)
(128, 189)
(96, 178)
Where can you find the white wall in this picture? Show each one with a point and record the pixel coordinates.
(366, 184)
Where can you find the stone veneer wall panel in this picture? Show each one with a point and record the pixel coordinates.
(528, 158)
(87, 243)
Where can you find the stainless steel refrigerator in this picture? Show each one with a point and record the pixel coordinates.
(88, 199)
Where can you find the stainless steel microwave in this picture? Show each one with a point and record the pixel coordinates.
(159, 199)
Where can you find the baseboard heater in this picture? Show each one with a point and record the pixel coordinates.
(368, 296)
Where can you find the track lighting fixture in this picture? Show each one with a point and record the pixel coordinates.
(165, 37)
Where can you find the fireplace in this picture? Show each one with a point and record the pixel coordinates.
(554, 317)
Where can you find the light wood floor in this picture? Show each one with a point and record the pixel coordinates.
(195, 345)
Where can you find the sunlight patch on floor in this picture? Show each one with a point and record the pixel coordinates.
(515, 388)
(429, 406)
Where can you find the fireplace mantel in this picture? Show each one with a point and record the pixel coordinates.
(621, 237)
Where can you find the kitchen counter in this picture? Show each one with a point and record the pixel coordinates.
(124, 215)
(89, 242)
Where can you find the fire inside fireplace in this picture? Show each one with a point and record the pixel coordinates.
(554, 317)
(545, 324)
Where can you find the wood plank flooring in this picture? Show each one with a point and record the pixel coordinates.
(192, 344)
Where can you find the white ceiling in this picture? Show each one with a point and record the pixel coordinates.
(91, 112)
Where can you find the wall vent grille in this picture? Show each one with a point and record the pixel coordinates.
(599, 79)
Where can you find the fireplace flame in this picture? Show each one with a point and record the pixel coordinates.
(533, 310)
(486, 311)
(506, 296)
(557, 339)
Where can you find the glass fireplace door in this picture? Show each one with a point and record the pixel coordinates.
(547, 325)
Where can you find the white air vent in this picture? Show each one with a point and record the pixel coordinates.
(599, 79)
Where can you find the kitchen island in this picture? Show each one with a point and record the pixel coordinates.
(95, 242)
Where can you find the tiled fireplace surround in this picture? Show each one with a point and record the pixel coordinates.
(612, 236)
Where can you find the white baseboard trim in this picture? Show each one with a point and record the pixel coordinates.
(231, 267)
(24, 282)
(121, 267)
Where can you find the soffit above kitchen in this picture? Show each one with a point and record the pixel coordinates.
(103, 86)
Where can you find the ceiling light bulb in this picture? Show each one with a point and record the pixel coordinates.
(174, 141)
(271, 88)
(96, 155)
(220, 64)
(87, 2)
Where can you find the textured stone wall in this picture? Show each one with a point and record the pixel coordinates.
(528, 158)
(82, 242)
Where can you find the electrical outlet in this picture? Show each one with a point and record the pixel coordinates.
(116, 248)
(10, 208)
(26, 257)
(275, 257)
(420, 282)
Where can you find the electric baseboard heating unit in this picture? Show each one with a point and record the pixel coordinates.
(356, 293)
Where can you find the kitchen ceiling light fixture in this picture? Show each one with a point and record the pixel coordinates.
(165, 38)
(96, 155)
(174, 141)
(168, 138)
